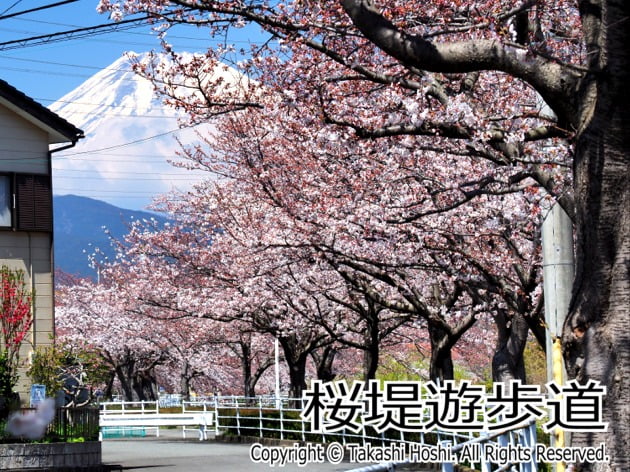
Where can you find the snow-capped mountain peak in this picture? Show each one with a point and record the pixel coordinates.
(114, 91)
(130, 139)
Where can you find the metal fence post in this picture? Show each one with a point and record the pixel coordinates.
(302, 419)
(447, 466)
(529, 440)
(260, 418)
(216, 415)
(486, 466)
(281, 421)
(238, 419)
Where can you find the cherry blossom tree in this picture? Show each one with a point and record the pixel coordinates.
(98, 316)
(472, 81)
(352, 220)
(184, 273)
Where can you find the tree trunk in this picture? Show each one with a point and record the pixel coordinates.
(246, 369)
(441, 367)
(144, 385)
(596, 335)
(123, 372)
(184, 381)
(295, 355)
(507, 362)
(296, 362)
(109, 387)
(297, 377)
(371, 355)
(372, 347)
(324, 361)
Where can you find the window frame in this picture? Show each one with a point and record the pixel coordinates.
(11, 201)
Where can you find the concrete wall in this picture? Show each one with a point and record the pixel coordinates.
(50, 456)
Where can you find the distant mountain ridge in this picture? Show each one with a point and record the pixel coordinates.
(80, 223)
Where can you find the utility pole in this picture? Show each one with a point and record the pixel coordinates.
(558, 271)
(557, 245)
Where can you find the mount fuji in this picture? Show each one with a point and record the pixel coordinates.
(120, 165)
(130, 137)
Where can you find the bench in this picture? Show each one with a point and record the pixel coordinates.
(155, 420)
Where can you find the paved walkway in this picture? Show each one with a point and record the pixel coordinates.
(172, 453)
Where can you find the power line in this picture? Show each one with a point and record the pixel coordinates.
(170, 36)
(125, 157)
(120, 192)
(32, 10)
(82, 32)
(181, 174)
(131, 41)
(73, 34)
(117, 146)
(64, 64)
(134, 179)
(9, 8)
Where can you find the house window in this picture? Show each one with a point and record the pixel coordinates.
(26, 202)
(6, 201)
(33, 202)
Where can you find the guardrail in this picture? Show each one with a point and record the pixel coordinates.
(271, 417)
(267, 417)
(157, 420)
(139, 416)
(524, 437)
(129, 407)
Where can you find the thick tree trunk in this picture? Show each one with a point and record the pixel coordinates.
(184, 381)
(441, 367)
(109, 387)
(507, 362)
(370, 360)
(123, 372)
(596, 336)
(296, 355)
(297, 376)
(324, 360)
(144, 385)
(246, 368)
(296, 362)
(372, 347)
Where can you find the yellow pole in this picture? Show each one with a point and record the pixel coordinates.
(557, 368)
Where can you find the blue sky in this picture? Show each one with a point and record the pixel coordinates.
(46, 72)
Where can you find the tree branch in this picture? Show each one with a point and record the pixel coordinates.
(555, 82)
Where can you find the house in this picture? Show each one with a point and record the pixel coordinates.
(29, 135)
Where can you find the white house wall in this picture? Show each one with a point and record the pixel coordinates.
(23, 147)
(31, 252)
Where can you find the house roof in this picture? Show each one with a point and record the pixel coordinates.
(58, 129)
